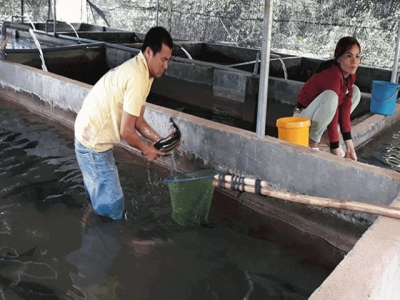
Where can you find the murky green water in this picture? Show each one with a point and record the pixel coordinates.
(47, 251)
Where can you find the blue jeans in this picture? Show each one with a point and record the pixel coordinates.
(101, 180)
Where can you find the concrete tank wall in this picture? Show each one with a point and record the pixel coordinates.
(284, 165)
(371, 270)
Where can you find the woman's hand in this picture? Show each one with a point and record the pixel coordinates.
(350, 151)
(338, 152)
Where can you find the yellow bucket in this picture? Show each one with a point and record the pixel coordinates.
(294, 130)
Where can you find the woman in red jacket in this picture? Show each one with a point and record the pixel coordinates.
(329, 97)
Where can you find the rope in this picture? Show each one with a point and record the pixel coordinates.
(237, 183)
(221, 181)
(257, 186)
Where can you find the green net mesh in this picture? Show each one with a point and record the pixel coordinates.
(191, 196)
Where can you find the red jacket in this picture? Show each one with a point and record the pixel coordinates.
(332, 79)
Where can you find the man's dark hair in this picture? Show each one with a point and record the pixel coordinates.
(154, 39)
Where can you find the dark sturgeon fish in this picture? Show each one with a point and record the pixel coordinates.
(171, 141)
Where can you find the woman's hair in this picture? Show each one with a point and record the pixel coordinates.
(344, 44)
(154, 39)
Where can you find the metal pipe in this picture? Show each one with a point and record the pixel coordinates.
(54, 18)
(3, 54)
(264, 72)
(19, 26)
(62, 48)
(257, 64)
(396, 57)
(243, 63)
(6, 24)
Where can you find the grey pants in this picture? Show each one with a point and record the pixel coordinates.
(322, 110)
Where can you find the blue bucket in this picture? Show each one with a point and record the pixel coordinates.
(384, 97)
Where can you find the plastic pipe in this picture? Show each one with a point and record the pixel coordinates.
(396, 57)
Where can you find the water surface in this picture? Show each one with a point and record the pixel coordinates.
(383, 150)
(50, 248)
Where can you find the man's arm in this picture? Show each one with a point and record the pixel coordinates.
(131, 125)
(145, 129)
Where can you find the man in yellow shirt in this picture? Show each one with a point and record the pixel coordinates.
(114, 109)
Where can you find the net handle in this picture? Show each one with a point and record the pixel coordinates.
(382, 210)
(174, 179)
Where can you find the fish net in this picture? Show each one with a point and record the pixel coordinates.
(191, 195)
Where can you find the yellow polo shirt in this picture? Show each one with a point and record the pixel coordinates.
(125, 87)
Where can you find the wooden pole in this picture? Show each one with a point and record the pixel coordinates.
(247, 181)
(391, 212)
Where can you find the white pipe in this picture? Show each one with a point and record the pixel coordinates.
(54, 18)
(396, 57)
(264, 71)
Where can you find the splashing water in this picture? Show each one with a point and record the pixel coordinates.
(283, 65)
(283, 68)
(44, 68)
(30, 22)
(73, 28)
(187, 53)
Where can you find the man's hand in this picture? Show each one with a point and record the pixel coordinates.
(152, 153)
(130, 126)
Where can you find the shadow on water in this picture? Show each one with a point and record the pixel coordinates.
(51, 249)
